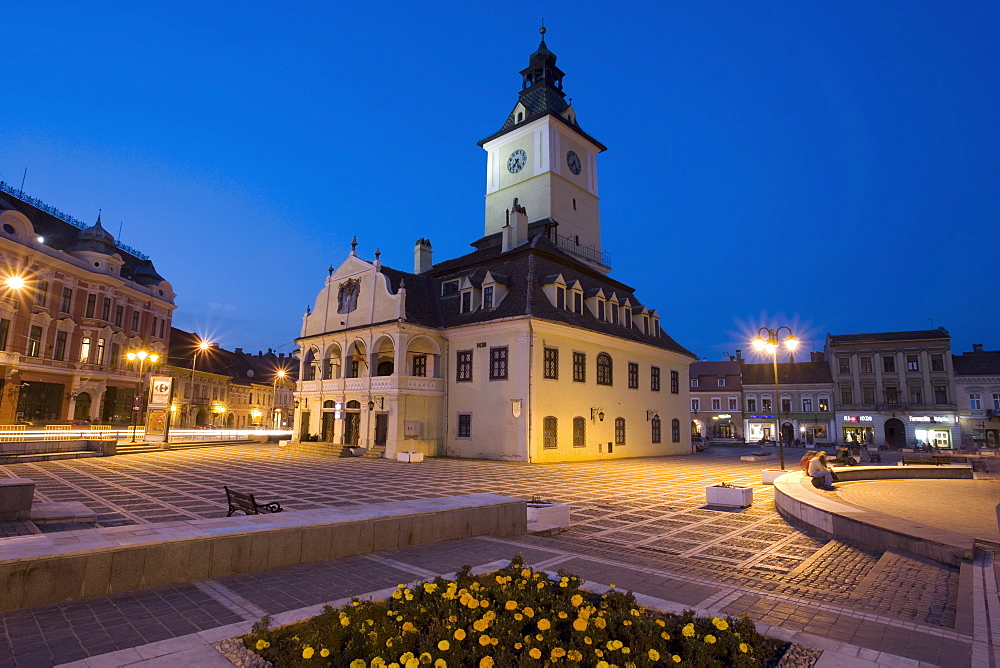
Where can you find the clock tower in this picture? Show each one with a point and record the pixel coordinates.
(543, 158)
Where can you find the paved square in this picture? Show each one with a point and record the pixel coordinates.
(640, 524)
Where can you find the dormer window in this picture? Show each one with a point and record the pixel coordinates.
(488, 297)
(600, 311)
(614, 314)
(645, 325)
(628, 317)
(450, 288)
(466, 301)
(578, 303)
(520, 116)
(560, 298)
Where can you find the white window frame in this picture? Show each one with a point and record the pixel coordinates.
(695, 404)
(722, 382)
(975, 401)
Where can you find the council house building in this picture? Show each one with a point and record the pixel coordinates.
(524, 349)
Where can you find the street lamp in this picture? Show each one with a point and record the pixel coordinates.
(770, 345)
(278, 375)
(142, 356)
(200, 349)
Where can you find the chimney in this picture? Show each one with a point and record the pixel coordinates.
(422, 256)
(816, 356)
(239, 351)
(977, 347)
(739, 354)
(518, 222)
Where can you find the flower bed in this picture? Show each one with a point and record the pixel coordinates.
(511, 617)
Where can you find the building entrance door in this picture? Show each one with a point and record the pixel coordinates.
(895, 433)
(352, 428)
(329, 424)
(381, 428)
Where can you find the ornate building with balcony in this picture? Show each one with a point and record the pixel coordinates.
(806, 391)
(894, 388)
(977, 384)
(73, 303)
(523, 349)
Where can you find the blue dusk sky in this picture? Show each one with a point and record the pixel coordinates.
(826, 165)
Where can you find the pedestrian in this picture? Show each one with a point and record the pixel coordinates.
(804, 462)
(818, 468)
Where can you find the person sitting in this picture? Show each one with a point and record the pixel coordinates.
(804, 462)
(818, 468)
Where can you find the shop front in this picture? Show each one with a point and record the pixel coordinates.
(760, 428)
(723, 427)
(932, 431)
(858, 430)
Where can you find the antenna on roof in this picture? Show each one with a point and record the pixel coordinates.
(22, 180)
(119, 230)
(932, 322)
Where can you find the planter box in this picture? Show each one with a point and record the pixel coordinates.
(555, 514)
(757, 458)
(729, 497)
(409, 456)
(768, 476)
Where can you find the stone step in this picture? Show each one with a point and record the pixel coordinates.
(69, 512)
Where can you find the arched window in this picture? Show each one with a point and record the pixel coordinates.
(656, 429)
(550, 432)
(328, 403)
(675, 430)
(605, 374)
(384, 368)
(354, 405)
(620, 431)
(579, 432)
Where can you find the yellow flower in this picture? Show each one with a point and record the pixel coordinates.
(413, 663)
(612, 586)
(378, 662)
(262, 644)
(558, 653)
(440, 663)
(721, 624)
(510, 605)
(598, 653)
(484, 640)
(539, 637)
(561, 584)
(744, 647)
(535, 653)
(388, 642)
(408, 627)
(528, 612)
(600, 622)
(397, 594)
(540, 585)
(518, 645)
(480, 625)
(710, 639)
(486, 662)
(580, 624)
(307, 653)
(525, 573)
(676, 659)
(405, 657)
(654, 655)
(359, 663)
(665, 636)
(399, 618)
(602, 664)
(425, 658)
(661, 623)
(574, 655)
(444, 645)
(627, 622)
(518, 616)
(325, 653)
(459, 634)
(544, 625)
(563, 615)
(452, 619)
(576, 600)
(688, 631)
(587, 640)
(345, 620)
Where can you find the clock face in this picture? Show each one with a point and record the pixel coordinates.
(517, 160)
(573, 160)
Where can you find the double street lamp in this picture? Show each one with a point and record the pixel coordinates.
(142, 356)
(770, 345)
(278, 375)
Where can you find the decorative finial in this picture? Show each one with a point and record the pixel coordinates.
(377, 253)
(354, 245)
(99, 217)
(329, 270)
(542, 29)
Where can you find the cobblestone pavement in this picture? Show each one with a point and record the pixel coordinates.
(641, 524)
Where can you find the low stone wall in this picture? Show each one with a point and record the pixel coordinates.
(38, 447)
(798, 501)
(16, 495)
(52, 568)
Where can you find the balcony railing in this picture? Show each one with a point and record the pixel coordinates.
(374, 384)
(571, 245)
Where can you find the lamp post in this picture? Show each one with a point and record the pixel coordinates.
(142, 356)
(770, 345)
(278, 375)
(200, 349)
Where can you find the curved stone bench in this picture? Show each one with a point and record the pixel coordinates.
(799, 502)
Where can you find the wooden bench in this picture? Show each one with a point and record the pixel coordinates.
(248, 504)
(935, 459)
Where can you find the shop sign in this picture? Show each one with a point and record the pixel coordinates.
(722, 416)
(859, 418)
(761, 417)
(937, 418)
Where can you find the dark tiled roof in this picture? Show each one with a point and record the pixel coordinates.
(715, 368)
(527, 268)
(243, 368)
(986, 363)
(939, 333)
(60, 235)
(797, 373)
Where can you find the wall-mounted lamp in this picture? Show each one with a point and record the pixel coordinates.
(651, 414)
(372, 401)
(597, 414)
